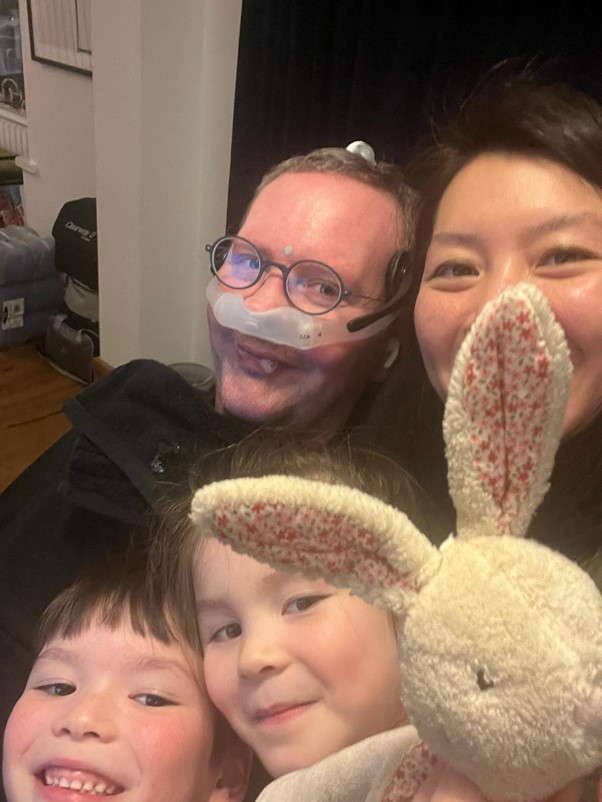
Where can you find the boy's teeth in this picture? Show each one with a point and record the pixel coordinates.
(100, 787)
(268, 365)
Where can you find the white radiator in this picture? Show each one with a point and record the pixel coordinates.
(13, 133)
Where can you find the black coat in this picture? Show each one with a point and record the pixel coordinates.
(92, 492)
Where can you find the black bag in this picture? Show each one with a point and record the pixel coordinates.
(76, 255)
(69, 349)
(74, 232)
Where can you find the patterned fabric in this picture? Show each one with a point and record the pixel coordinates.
(504, 413)
(508, 385)
(277, 530)
(412, 772)
(338, 533)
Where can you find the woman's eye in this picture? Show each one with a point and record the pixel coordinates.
(302, 603)
(563, 256)
(153, 700)
(454, 270)
(225, 633)
(57, 688)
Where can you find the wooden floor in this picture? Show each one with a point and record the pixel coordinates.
(31, 396)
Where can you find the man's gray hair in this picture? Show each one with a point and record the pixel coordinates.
(381, 175)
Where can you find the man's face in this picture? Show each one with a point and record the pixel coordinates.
(354, 229)
(112, 713)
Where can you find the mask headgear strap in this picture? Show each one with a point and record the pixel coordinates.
(366, 151)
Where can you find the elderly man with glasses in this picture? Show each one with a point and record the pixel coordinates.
(301, 308)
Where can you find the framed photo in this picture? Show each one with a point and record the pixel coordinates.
(60, 32)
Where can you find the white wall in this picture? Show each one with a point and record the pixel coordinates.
(60, 124)
(163, 99)
(150, 137)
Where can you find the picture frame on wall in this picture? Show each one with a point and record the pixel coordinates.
(60, 33)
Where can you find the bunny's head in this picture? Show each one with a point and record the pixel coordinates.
(500, 637)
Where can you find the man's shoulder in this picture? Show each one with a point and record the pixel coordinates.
(140, 392)
(142, 424)
(138, 373)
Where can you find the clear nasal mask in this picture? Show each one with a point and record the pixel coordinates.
(285, 325)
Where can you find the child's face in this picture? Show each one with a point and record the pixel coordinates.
(112, 713)
(299, 668)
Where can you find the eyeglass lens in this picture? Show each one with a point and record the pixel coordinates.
(236, 262)
(310, 286)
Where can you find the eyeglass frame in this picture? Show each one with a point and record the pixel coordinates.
(265, 264)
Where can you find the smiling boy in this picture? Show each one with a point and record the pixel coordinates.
(116, 706)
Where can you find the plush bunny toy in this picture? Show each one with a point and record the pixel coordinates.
(500, 637)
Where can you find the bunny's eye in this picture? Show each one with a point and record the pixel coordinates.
(483, 681)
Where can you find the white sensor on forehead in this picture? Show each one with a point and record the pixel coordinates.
(362, 149)
(287, 250)
(284, 325)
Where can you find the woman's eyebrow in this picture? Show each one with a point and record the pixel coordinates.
(561, 222)
(454, 238)
(557, 223)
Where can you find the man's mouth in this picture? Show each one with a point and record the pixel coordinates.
(268, 365)
(83, 782)
(260, 360)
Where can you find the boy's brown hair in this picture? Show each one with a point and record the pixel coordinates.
(108, 591)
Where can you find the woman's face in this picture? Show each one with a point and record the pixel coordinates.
(505, 219)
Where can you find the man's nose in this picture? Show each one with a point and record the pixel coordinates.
(261, 653)
(88, 715)
(268, 293)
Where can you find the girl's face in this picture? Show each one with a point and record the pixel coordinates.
(299, 668)
(505, 219)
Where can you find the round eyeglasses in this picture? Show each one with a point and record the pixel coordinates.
(310, 286)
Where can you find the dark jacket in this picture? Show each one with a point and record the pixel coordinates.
(93, 492)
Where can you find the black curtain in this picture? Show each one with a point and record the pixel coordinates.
(325, 72)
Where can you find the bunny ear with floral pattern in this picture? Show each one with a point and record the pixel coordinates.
(336, 533)
(504, 413)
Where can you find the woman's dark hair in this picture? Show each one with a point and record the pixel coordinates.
(519, 112)
(516, 112)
